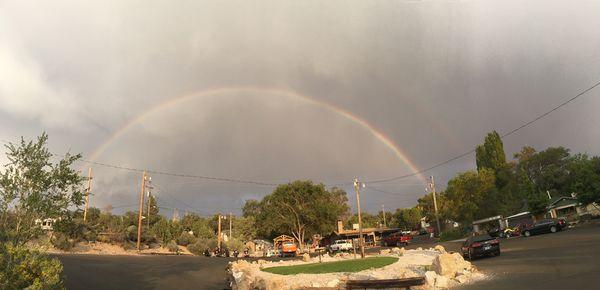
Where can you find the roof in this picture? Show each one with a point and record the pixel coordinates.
(563, 201)
(518, 215)
(368, 230)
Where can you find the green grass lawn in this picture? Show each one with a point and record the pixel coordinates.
(331, 267)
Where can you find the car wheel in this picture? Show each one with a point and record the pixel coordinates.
(527, 233)
(470, 255)
(553, 229)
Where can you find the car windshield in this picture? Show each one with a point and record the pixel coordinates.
(480, 238)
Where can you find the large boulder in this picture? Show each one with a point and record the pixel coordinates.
(306, 257)
(442, 282)
(430, 277)
(384, 251)
(398, 251)
(450, 264)
(440, 249)
(269, 284)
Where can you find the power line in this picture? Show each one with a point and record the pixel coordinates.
(545, 114)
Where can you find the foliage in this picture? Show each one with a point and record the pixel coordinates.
(244, 228)
(21, 268)
(61, 241)
(235, 244)
(173, 247)
(470, 196)
(491, 155)
(453, 234)
(585, 178)
(368, 220)
(301, 208)
(200, 245)
(36, 188)
(185, 239)
(408, 218)
(348, 266)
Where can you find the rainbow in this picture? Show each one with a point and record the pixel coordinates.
(258, 90)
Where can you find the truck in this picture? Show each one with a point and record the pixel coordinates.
(289, 249)
(341, 245)
(397, 239)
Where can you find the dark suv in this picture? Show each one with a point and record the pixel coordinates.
(544, 226)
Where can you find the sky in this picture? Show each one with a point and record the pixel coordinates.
(274, 91)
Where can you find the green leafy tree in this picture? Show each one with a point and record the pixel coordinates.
(408, 218)
(491, 154)
(36, 188)
(469, 195)
(302, 208)
(24, 269)
(368, 220)
(251, 208)
(584, 178)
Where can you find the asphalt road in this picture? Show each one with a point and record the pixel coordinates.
(564, 260)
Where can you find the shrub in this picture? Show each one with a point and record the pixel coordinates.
(453, 234)
(172, 247)
(61, 241)
(235, 244)
(24, 269)
(200, 245)
(185, 239)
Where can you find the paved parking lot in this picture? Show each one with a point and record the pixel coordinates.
(564, 260)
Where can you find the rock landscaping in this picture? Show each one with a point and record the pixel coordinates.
(440, 269)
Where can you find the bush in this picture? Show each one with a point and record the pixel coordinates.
(235, 244)
(61, 242)
(172, 247)
(24, 269)
(453, 234)
(185, 239)
(200, 245)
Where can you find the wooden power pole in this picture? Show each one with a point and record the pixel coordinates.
(87, 194)
(139, 235)
(437, 218)
(383, 211)
(219, 234)
(360, 233)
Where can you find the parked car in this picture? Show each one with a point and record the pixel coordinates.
(340, 245)
(544, 226)
(397, 239)
(480, 245)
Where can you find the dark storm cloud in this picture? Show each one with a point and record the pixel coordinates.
(434, 76)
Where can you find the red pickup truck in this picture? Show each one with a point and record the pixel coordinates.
(397, 239)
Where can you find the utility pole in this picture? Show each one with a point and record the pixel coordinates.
(87, 195)
(219, 234)
(230, 224)
(139, 235)
(357, 186)
(383, 211)
(437, 218)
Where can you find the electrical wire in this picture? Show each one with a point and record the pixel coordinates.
(537, 118)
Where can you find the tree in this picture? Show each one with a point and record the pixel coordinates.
(584, 178)
(36, 188)
(368, 220)
(469, 195)
(251, 208)
(408, 218)
(302, 208)
(491, 153)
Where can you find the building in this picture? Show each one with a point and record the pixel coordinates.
(372, 236)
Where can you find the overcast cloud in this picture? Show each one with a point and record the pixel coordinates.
(433, 76)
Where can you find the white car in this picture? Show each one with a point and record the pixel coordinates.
(270, 253)
(341, 245)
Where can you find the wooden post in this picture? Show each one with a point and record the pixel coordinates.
(360, 233)
(139, 235)
(87, 195)
(219, 234)
(437, 218)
